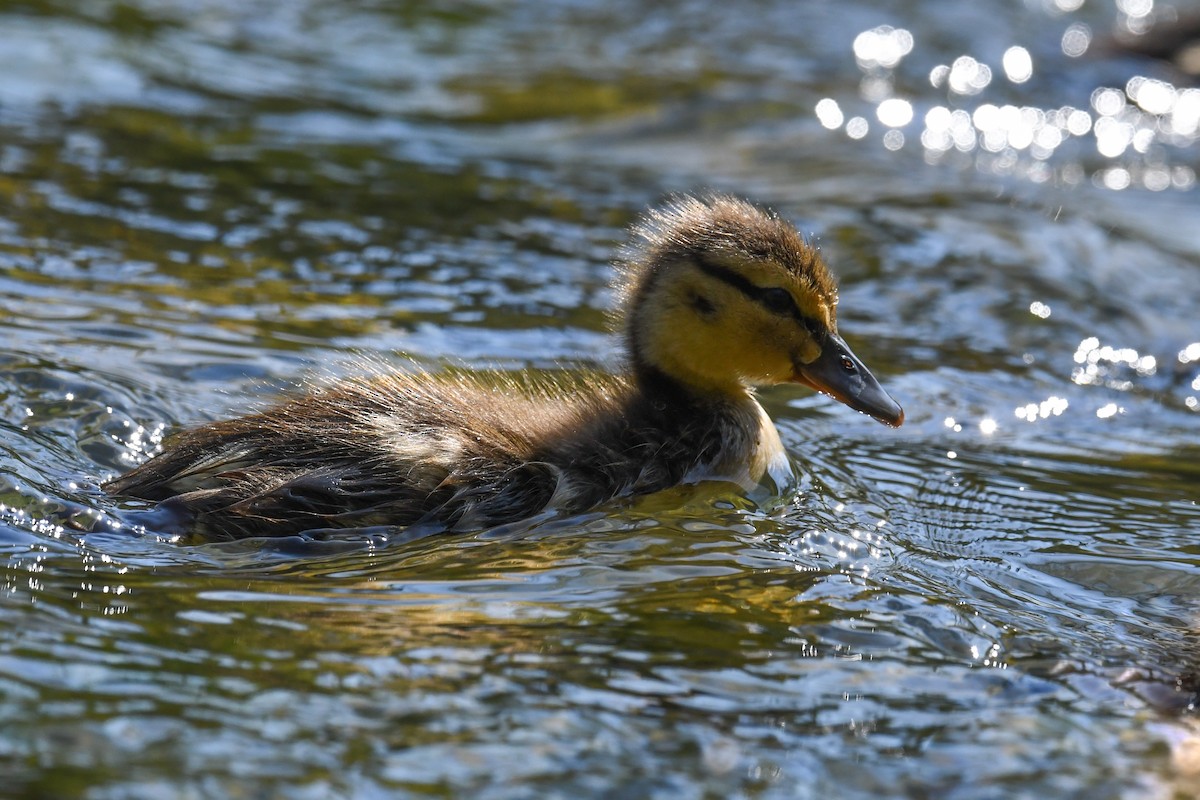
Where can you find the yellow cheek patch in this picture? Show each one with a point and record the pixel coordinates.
(809, 352)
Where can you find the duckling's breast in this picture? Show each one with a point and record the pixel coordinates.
(750, 453)
(770, 460)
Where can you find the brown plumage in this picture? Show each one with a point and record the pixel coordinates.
(717, 297)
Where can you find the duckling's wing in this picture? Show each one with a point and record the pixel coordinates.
(228, 493)
(264, 501)
(349, 497)
(325, 498)
(514, 492)
(325, 494)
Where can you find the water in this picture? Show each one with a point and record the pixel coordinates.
(206, 204)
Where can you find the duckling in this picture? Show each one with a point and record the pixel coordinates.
(715, 298)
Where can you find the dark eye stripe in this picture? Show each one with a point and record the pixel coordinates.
(767, 297)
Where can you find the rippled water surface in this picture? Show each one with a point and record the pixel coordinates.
(204, 204)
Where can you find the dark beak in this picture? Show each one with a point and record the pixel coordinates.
(838, 373)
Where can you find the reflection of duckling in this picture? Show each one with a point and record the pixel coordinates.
(719, 298)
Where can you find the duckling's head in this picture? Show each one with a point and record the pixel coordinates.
(720, 296)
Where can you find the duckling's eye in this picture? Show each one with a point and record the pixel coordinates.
(778, 300)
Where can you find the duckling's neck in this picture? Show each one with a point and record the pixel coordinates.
(743, 444)
(669, 391)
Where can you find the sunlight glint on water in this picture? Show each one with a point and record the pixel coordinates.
(207, 206)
